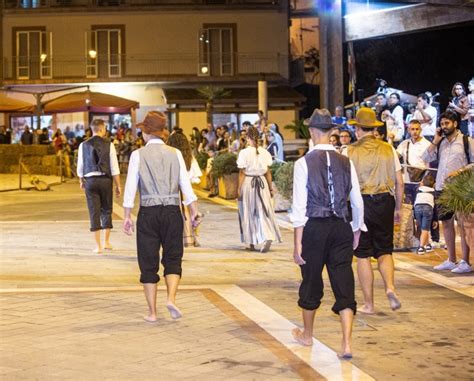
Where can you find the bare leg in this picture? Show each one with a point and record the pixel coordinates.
(366, 280)
(150, 295)
(172, 282)
(464, 243)
(347, 317)
(386, 268)
(449, 237)
(424, 238)
(98, 246)
(305, 337)
(107, 245)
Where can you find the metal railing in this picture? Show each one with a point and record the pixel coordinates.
(41, 4)
(145, 65)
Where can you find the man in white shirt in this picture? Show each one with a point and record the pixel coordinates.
(160, 174)
(97, 166)
(411, 150)
(323, 235)
(426, 115)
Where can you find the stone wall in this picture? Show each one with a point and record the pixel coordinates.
(39, 159)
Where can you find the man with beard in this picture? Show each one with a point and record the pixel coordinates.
(454, 151)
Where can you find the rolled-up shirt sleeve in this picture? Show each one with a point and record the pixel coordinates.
(300, 194)
(114, 165)
(80, 162)
(357, 203)
(428, 156)
(131, 184)
(185, 182)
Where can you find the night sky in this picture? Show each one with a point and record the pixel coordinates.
(417, 62)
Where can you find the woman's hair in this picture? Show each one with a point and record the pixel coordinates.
(179, 141)
(254, 134)
(453, 91)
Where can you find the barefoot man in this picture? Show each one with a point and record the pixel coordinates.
(97, 168)
(159, 172)
(324, 236)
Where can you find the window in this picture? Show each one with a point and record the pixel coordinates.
(104, 53)
(34, 54)
(216, 50)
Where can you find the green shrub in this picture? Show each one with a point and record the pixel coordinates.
(300, 128)
(274, 167)
(458, 193)
(225, 164)
(284, 180)
(202, 158)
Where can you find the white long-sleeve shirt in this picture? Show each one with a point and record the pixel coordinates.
(300, 194)
(114, 165)
(133, 176)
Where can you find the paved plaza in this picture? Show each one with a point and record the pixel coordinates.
(67, 313)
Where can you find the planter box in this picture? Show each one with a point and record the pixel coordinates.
(228, 185)
(204, 183)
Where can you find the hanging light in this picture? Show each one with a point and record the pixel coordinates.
(92, 54)
(43, 57)
(204, 70)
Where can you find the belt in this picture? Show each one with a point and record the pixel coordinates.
(378, 195)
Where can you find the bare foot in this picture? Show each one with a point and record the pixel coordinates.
(366, 310)
(346, 352)
(97, 250)
(394, 301)
(298, 336)
(150, 318)
(173, 310)
(108, 246)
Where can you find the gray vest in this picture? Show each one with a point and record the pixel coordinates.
(159, 175)
(319, 198)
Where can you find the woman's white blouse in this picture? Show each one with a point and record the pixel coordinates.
(253, 164)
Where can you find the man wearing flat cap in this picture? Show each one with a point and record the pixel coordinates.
(381, 184)
(325, 233)
(159, 172)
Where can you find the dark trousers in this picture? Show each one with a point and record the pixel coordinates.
(159, 226)
(327, 242)
(99, 195)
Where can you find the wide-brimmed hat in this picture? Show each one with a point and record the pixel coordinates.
(321, 119)
(365, 117)
(154, 123)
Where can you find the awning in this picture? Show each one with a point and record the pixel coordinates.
(89, 101)
(241, 95)
(8, 104)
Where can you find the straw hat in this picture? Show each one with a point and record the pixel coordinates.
(365, 117)
(154, 123)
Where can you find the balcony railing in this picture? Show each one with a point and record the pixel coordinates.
(136, 66)
(36, 4)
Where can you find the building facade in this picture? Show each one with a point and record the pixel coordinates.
(140, 48)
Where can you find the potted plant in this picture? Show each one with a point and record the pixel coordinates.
(202, 158)
(458, 197)
(225, 169)
(302, 134)
(283, 180)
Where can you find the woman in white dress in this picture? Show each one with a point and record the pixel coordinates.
(179, 141)
(257, 218)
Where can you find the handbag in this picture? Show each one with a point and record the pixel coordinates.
(414, 174)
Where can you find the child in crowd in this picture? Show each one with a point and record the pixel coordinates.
(424, 205)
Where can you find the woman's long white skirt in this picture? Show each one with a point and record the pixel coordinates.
(257, 217)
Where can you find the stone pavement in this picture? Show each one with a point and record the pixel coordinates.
(67, 313)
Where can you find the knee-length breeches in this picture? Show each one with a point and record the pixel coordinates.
(159, 227)
(327, 242)
(99, 195)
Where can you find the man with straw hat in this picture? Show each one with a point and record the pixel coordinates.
(324, 235)
(160, 173)
(381, 184)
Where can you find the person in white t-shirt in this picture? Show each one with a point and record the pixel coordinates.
(411, 150)
(393, 118)
(426, 115)
(424, 205)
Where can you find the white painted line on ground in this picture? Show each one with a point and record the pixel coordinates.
(440, 280)
(320, 357)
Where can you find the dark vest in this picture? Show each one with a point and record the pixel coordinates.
(96, 155)
(319, 199)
